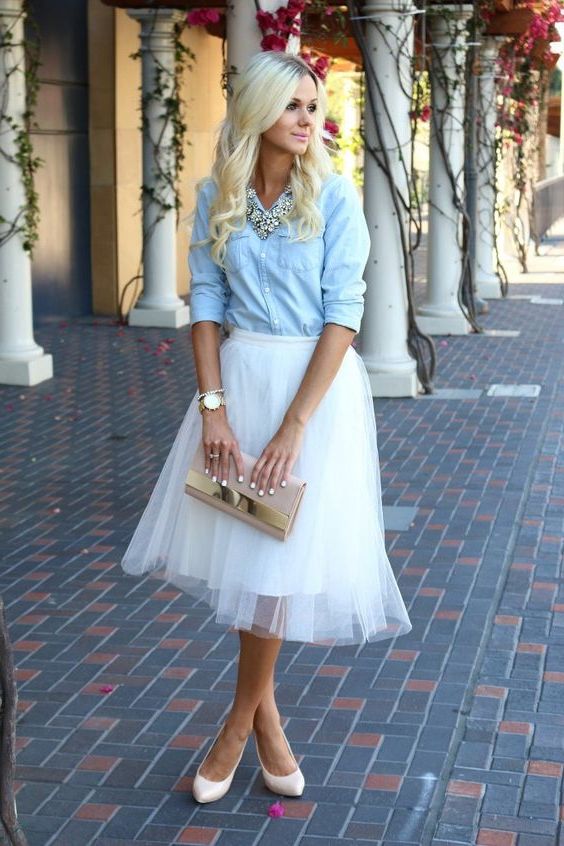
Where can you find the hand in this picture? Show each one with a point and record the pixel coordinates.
(218, 438)
(278, 457)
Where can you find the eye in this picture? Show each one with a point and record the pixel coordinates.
(291, 106)
(312, 108)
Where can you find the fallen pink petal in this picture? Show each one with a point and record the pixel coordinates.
(276, 810)
(106, 688)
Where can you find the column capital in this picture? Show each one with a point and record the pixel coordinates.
(156, 15)
(11, 8)
(389, 7)
(488, 53)
(156, 27)
(455, 10)
(450, 26)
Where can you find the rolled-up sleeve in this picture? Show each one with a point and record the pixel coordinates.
(347, 244)
(209, 290)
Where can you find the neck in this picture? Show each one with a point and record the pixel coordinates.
(272, 172)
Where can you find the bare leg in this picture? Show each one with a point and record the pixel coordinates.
(255, 673)
(267, 727)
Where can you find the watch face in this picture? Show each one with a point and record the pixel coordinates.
(212, 401)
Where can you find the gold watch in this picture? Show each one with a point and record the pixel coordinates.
(211, 402)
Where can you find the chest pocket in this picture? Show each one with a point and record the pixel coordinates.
(237, 254)
(299, 255)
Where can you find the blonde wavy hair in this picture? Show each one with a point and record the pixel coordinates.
(261, 94)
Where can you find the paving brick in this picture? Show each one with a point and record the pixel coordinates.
(471, 697)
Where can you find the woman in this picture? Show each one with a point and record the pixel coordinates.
(279, 245)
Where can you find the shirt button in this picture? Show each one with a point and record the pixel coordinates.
(267, 290)
(275, 320)
(262, 255)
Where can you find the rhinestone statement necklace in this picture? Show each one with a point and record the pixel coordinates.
(265, 222)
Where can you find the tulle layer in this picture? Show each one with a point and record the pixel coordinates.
(331, 579)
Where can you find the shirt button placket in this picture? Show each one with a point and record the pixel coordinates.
(266, 290)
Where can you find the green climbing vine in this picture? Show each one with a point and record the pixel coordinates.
(17, 146)
(169, 147)
(165, 94)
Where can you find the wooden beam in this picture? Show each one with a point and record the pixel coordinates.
(512, 23)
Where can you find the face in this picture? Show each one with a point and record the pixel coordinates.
(292, 130)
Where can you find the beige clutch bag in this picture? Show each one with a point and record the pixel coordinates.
(273, 514)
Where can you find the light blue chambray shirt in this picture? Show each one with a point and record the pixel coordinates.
(284, 288)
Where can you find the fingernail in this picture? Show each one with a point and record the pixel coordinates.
(253, 485)
(214, 478)
(271, 491)
(261, 493)
(283, 483)
(240, 479)
(224, 482)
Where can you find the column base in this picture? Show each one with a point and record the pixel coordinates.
(488, 287)
(159, 317)
(27, 373)
(393, 383)
(452, 324)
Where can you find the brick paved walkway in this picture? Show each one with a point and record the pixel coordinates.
(453, 734)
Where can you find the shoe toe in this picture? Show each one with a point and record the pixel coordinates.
(292, 784)
(204, 790)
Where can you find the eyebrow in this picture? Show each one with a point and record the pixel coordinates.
(297, 100)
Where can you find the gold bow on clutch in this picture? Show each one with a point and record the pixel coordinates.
(273, 514)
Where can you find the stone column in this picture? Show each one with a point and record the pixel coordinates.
(22, 361)
(159, 304)
(487, 279)
(244, 35)
(440, 314)
(383, 337)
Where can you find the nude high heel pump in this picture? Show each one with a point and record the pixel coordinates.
(287, 785)
(204, 790)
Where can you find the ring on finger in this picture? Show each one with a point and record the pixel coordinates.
(214, 454)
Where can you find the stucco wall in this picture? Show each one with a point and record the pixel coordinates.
(115, 149)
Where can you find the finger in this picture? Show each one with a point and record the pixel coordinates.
(287, 470)
(215, 451)
(276, 475)
(238, 459)
(257, 470)
(224, 463)
(207, 462)
(264, 475)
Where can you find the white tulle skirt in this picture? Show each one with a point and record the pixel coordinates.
(331, 580)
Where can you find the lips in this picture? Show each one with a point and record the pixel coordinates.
(301, 137)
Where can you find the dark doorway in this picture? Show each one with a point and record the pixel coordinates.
(61, 264)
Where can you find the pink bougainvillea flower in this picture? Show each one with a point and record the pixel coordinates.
(331, 127)
(273, 42)
(425, 113)
(276, 810)
(106, 688)
(201, 17)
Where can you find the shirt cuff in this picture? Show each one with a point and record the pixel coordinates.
(345, 314)
(202, 308)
